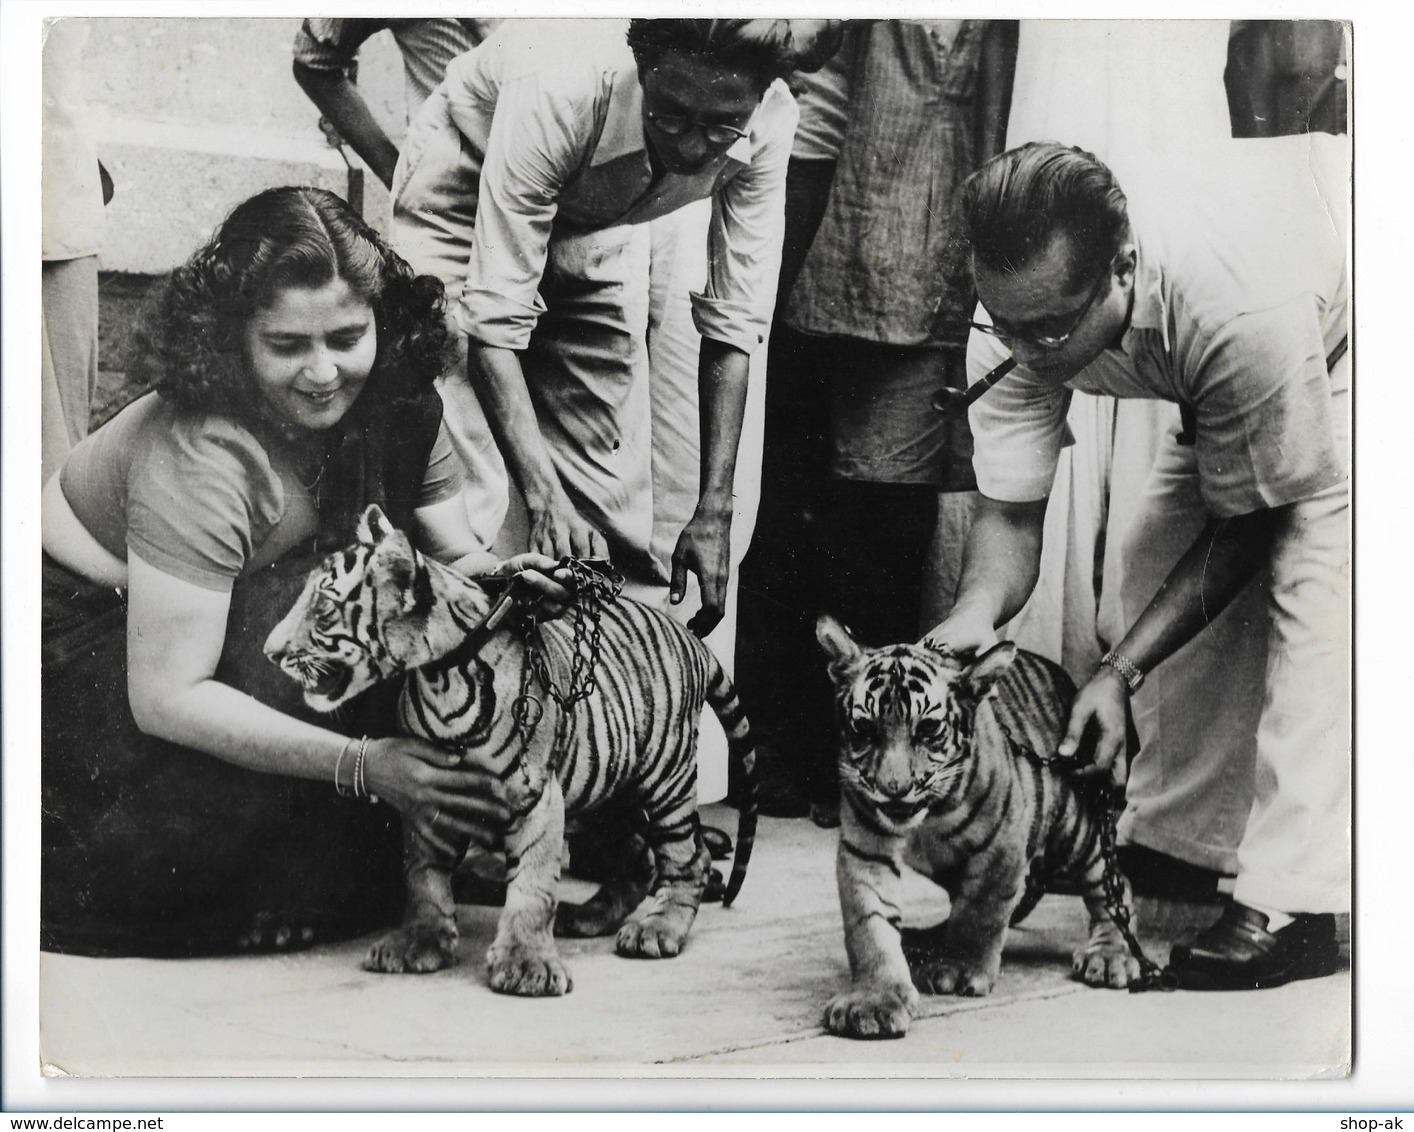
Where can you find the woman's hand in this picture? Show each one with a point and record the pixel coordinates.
(1098, 733)
(551, 582)
(704, 547)
(443, 796)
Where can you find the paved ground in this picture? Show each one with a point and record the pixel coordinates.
(744, 999)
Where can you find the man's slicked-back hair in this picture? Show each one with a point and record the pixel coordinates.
(1009, 210)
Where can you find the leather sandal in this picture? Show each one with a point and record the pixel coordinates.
(1239, 953)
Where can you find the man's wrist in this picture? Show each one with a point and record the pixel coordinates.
(714, 505)
(1129, 673)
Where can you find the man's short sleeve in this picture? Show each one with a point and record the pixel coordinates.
(1018, 427)
(1262, 400)
(443, 478)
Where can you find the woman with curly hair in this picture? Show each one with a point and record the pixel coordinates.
(189, 798)
(528, 184)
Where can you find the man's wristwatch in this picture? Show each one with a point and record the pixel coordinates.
(1127, 669)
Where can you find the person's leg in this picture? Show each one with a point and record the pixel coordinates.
(148, 848)
(1293, 862)
(1294, 858)
(1295, 851)
(1190, 788)
(890, 452)
(775, 624)
(69, 313)
(587, 372)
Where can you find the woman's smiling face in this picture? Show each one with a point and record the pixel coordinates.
(310, 352)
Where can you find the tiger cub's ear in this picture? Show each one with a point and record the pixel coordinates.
(839, 645)
(397, 564)
(979, 676)
(373, 526)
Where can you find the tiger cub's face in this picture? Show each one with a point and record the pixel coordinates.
(905, 715)
(359, 618)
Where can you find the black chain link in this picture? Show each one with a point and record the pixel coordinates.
(1151, 975)
(592, 588)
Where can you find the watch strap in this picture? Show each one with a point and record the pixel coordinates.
(1128, 671)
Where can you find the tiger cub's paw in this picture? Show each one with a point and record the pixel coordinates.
(528, 972)
(1105, 965)
(950, 976)
(653, 937)
(871, 1012)
(416, 949)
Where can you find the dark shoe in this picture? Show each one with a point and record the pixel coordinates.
(1156, 874)
(1238, 953)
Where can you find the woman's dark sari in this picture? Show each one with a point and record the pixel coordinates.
(153, 849)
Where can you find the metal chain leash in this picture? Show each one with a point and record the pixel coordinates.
(1151, 975)
(593, 586)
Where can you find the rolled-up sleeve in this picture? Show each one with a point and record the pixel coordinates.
(539, 136)
(744, 240)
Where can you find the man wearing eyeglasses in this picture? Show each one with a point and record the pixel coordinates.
(1227, 295)
(529, 183)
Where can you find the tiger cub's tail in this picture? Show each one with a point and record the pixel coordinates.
(741, 775)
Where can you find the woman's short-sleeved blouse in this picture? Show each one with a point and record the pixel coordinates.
(191, 492)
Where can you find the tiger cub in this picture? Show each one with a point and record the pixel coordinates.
(380, 609)
(934, 769)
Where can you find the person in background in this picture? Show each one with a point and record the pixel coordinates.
(191, 802)
(326, 66)
(526, 184)
(876, 331)
(1287, 77)
(1229, 298)
(74, 193)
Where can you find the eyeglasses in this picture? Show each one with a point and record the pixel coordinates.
(675, 125)
(1049, 341)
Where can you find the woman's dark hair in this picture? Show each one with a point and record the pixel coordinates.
(189, 345)
(1010, 209)
(767, 49)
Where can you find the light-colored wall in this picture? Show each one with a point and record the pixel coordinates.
(194, 115)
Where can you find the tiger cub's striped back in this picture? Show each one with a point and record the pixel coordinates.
(380, 609)
(947, 763)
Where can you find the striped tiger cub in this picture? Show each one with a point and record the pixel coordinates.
(380, 609)
(936, 769)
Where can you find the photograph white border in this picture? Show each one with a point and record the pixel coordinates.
(1382, 971)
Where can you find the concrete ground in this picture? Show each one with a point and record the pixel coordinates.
(744, 999)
